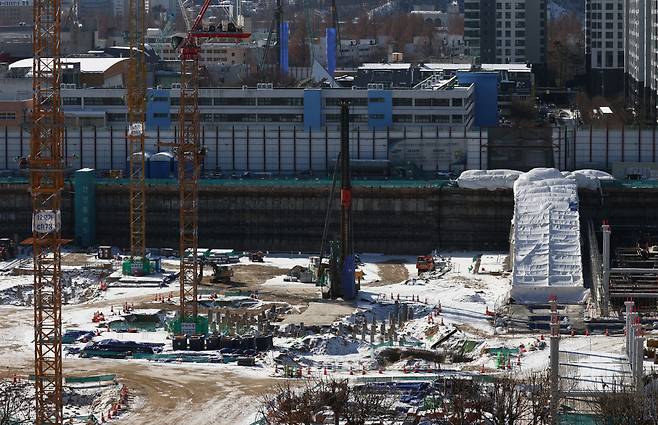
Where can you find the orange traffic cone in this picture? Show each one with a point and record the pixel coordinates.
(541, 337)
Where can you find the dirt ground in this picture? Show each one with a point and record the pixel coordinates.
(390, 272)
(251, 278)
(161, 394)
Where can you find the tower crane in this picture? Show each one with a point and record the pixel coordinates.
(136, 94)
(190, 153)
(46, 164)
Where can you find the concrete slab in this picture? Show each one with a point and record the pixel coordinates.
(321, 313)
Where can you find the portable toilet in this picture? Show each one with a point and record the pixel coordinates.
(147, 158)
(161, 165)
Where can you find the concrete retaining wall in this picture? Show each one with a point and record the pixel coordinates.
(390, 220)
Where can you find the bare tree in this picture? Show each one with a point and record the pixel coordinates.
(463, 402)
(622, 405)
(538, 391)
(505, 402)
(366, 403)
(16, 403)
(289, 405)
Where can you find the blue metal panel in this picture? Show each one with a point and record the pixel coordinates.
(157, 109)
(84, 199)
(486, 96)
(331, 50)
(312, 109)
(348, 286)
(283, 47)
(380, 109)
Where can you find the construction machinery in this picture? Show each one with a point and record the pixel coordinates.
(256, 257)
(221, 273)
(136, 100)
(190, 154)
(336, 275)
(425, 263)
(46, 168)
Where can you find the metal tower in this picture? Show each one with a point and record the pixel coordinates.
(190, 156)
(189, 164)
(46, 164)
(136, 93)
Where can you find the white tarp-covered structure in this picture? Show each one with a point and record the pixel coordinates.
(504, 179)
(488, 179)
(546, 238)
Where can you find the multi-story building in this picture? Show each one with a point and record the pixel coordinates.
(506, 31)
(447, 105)
(604, 46)
(223, 53)
(15, 12)
(515, 81)
(640, 57)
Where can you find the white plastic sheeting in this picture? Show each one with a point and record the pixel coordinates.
(546, 232)
(504, 179)
(488, 179)
(588, 179)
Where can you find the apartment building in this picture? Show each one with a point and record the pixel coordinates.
(506, 31)
(604, 46)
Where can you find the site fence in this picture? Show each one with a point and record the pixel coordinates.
(292, 150)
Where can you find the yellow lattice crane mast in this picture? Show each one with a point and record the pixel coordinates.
(190, 155)
(46, 164)
(136, 97)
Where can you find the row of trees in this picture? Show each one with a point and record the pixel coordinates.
(502, 400)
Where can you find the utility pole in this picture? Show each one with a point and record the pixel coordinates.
(605, 307)
(554, 359)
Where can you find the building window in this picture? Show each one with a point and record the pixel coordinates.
(423, 119)
(71, 101)
(7, 116)
(402, 118)
(402, 101)
(280, 117)
(116, 117)
(280, 101)
(423, 102)
(457, 119)
(457, 101)
(235, 101)
(440, 102)
(105, 101)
